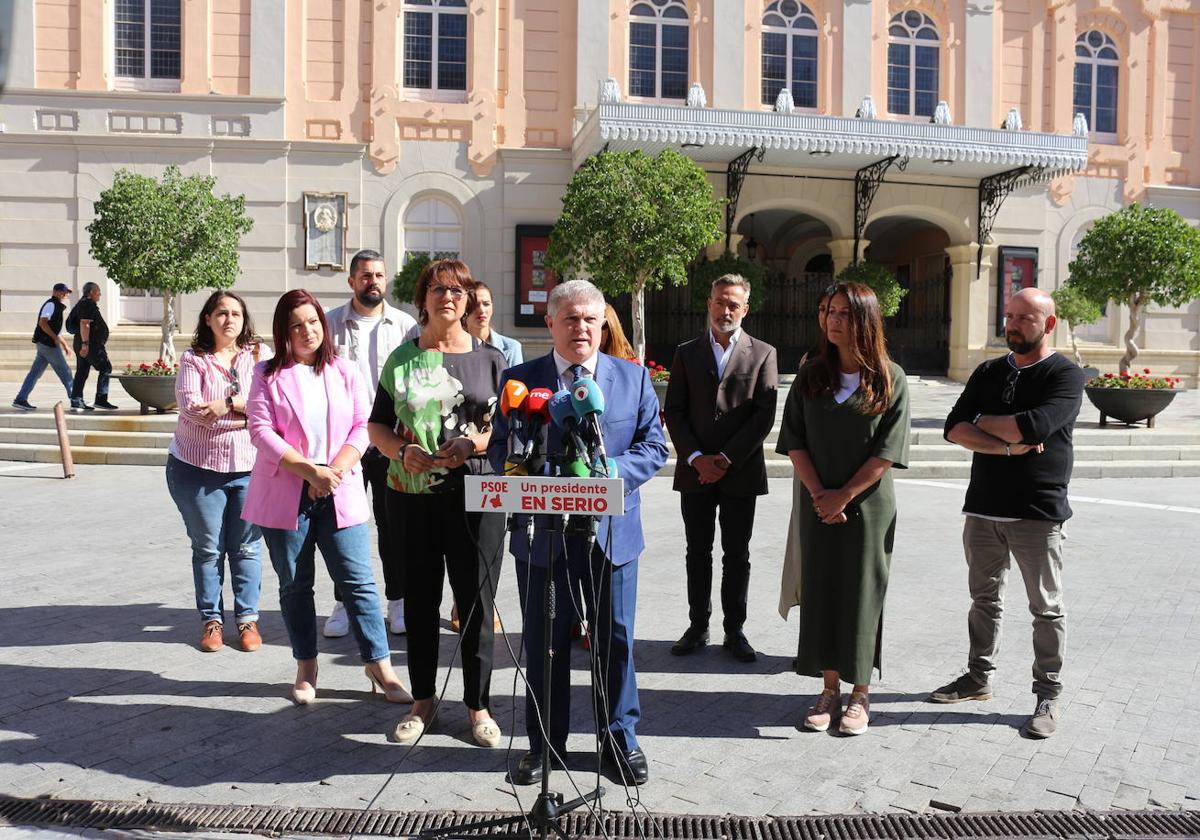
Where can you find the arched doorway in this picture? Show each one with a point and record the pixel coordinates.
(915, 250)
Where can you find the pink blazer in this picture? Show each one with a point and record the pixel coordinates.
(276, 420)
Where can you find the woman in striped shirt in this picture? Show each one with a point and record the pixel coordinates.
(208, 469)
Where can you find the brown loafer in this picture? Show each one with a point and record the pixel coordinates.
(248, 636)
(210, 638)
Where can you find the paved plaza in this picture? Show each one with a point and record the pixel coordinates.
(104, 695)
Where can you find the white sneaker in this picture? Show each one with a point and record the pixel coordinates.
(338, 623)
(396, 617)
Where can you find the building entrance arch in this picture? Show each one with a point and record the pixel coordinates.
(914, 249)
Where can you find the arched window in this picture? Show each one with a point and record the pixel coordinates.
(1096, 67)
(658, 49)
(912, 65)
(432, 227)
(789, 53)
(435, 45)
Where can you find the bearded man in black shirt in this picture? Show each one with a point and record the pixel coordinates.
(1017, 414)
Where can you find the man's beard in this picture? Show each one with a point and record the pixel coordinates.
(1018, 344)
(370, 297)
(731, 326)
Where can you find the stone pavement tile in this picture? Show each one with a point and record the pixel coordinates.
(913, 797)
(1043, 764)
(1068, 784)
(1008, 767)
(1130, 798)
(953, 796)
(1167, 795)
(1177, 772)
(932, 775)
(876, 799)
(1147, 754)
(1183, 752)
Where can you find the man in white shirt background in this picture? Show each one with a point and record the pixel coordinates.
(365, 330)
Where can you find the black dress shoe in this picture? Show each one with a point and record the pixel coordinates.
(529, 769)
(631, 766)
(692, 640)
(737, 644)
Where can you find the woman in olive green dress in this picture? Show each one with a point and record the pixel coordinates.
(845, 426)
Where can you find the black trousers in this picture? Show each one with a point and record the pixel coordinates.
(391, 557)
(96, 359)
(443, 540)
(700, 515)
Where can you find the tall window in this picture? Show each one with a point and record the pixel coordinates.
(435, 45)
(789, 53)
(146, 41)
(912, 65)
(432, 228)
(1096, 68)
(658, 49)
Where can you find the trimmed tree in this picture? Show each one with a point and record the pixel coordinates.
(170, 234)
(880, 280)
(704, 273)
(1138, 256)
(404, 284)
(632, 222)
(1077, 310)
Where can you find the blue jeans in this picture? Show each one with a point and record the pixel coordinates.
(211, 505)
(47, 355)
(347, 553)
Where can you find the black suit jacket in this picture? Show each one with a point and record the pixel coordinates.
(733, 415)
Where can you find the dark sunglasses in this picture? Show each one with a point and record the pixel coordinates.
(235, 387)
(1010, 387)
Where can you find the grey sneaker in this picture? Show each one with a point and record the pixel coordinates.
(1044, 722)
(965, 687)
(23, 405)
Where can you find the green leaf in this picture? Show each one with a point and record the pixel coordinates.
(880, 280)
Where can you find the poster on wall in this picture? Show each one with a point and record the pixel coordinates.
(534, 277)
(1018, 270)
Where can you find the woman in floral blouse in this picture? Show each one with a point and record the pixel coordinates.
(432, 417)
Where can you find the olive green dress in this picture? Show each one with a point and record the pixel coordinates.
(844, 568)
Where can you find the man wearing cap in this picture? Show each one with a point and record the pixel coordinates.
(51, 347)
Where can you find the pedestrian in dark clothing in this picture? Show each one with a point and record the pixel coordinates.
(52, 350)
(91, 353)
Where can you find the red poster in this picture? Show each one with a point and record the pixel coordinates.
(534, 278)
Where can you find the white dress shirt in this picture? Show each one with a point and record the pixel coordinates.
(565, 379)
(721, 355)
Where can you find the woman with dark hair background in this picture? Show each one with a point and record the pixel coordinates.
(208, 468)
(479, 324)
(845, 426)
(308, 419)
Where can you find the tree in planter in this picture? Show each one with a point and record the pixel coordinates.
(1077, 310)
(1138, 256)
(172, 235)
(881, 281)
(633, 222)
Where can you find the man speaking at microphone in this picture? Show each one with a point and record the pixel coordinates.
(634, 442)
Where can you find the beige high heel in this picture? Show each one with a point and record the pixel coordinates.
(304, 690)
(395, 694)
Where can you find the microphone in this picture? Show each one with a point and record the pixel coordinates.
(562, 411)
(513, 398)
(588, 401)
(536, 419)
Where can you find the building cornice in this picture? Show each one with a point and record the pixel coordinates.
(140, 96)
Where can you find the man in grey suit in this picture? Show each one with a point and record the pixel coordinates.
(720, 407)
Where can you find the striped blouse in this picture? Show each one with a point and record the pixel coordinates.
(222, 445)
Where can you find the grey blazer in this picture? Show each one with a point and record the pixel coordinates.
(733, 415)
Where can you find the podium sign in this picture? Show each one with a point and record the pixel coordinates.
(542, 494)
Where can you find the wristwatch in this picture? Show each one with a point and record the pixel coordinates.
(229, 403)
(1007, 449)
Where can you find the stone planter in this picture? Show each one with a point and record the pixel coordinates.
(1130, 405)
(151, 392)
(660, 391)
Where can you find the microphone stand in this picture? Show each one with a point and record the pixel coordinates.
(542, 817)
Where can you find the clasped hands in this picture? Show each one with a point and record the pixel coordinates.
(212, 411)
(830, 506)
(711, 468)
(452, 453)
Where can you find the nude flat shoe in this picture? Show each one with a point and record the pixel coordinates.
(486, 732)
(409, 729)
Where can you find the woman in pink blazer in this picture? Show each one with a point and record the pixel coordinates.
(307, 414)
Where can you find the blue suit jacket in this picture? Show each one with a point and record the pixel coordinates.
(633, 437)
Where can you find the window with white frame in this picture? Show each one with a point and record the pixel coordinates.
(435, 46)
(658, 49)
(1097, 65)
(789, 53)
(146, 43)
(913, 57)
(433, 228)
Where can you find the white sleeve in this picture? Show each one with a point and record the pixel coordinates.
(47, 310)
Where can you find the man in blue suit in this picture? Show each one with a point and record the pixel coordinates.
(634, 439)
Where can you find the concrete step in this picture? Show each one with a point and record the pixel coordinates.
(85, 437)
(41, 453)
(962, 469)
(119, 421)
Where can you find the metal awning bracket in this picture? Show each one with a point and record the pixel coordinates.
(992, 191)
(735, 174)
(866, 183)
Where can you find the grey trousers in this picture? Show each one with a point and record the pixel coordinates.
(1036, 545)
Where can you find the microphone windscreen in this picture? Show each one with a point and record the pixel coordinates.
(577, 468)
(562, 409)
(537, 405)
(587, 397)
(513, 397)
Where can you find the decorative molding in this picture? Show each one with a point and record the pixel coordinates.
(866, 109)
(941, 114)
(980, 7)
(610, 91)
(1105, 20)
(48, 119)
(325, 226)
(230, 126)
(696, 97)
(784, 104)
(135, 122)
(1079, 126)
(1012, 122)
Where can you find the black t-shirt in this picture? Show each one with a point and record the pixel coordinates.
(1046, 400)
(87, 310)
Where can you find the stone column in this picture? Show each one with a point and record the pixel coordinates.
(856, 55)
(591, 52)
(842, 252)
(728, 54)
(268, 51)
(194, 74)
(968, 308)
(980, 87)
(21, 61)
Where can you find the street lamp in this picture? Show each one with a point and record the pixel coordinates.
(751, 242)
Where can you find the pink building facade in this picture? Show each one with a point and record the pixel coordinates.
(443, 126)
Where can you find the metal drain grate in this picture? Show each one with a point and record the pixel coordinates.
(279, 820)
